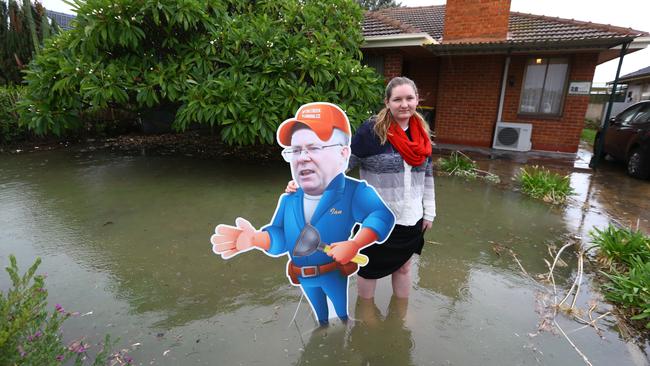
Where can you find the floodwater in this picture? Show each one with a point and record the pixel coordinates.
(125, 242)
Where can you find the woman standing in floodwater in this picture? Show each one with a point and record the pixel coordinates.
(393, 151)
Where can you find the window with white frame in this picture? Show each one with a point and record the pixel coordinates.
(544, 86)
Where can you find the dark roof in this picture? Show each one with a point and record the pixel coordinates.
(62, 19)
(644, 72)
(522, 28)
(429, 19)
(379, 24)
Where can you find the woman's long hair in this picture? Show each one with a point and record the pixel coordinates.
(384, 117)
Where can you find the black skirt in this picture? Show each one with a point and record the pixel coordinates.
(388, 257)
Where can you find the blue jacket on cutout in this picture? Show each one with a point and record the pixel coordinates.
(345, 202)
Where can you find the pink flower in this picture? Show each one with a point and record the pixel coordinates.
(78, 347)
(59, 308)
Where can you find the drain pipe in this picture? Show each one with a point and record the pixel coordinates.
(598, 149)
(503, 88)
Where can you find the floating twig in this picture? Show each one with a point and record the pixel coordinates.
(584, 358)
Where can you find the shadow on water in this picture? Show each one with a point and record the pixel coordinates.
(127, 238)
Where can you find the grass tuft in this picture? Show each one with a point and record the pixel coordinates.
(588, 135)
(461, 165)
(626, 254)
(545, 185)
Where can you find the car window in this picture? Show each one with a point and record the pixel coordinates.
(627, 115)
(643, 116)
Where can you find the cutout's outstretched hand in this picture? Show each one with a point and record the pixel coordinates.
(229, 241)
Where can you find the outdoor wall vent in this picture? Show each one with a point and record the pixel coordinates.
(512, 136)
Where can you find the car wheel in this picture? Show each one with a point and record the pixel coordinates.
(602, 152)
(638, 164)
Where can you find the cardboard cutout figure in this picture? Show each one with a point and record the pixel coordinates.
(313, 226)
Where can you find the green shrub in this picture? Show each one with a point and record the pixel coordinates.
(543, 184)
(627, 256)
(240, 66)
(30, 335)
(10, 129)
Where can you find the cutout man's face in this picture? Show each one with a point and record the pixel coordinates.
(314, 170)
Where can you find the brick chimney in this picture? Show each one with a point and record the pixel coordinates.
(476, 20)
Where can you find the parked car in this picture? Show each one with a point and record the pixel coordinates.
(627, 139)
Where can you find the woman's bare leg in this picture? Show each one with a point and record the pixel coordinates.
(402, 280)
(366, 287)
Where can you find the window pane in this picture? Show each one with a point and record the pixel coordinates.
(554, 88)
(626, 116)
(532, 91)
(643, 116)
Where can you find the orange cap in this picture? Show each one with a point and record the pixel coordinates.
(320, 117)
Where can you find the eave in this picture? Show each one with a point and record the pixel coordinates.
(399, 40)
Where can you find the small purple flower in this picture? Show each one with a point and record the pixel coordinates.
(34, 336)
(128, 359)
(59, 358)
(21, 350)
(59, 308)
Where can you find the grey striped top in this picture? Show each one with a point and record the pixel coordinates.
(407, 190)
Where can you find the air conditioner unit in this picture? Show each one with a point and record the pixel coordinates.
(512, 136)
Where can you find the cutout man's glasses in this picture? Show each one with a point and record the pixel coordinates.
(291, 153)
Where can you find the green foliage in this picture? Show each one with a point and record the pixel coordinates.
(627, 255)
(543, 184)
(620, 245)
(239, 66)
(588, 135)
(10, 130)
(378, 4)
(27, 10)
(21, 27)
(29, 335)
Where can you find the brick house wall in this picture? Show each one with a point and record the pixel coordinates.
(392, 65)
(465, 91)
(557, 133)
(468, 99)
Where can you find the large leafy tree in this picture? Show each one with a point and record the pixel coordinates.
(241, 66)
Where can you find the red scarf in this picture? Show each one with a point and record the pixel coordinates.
(414, 151)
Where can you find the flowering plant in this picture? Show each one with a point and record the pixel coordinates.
(30, 335)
